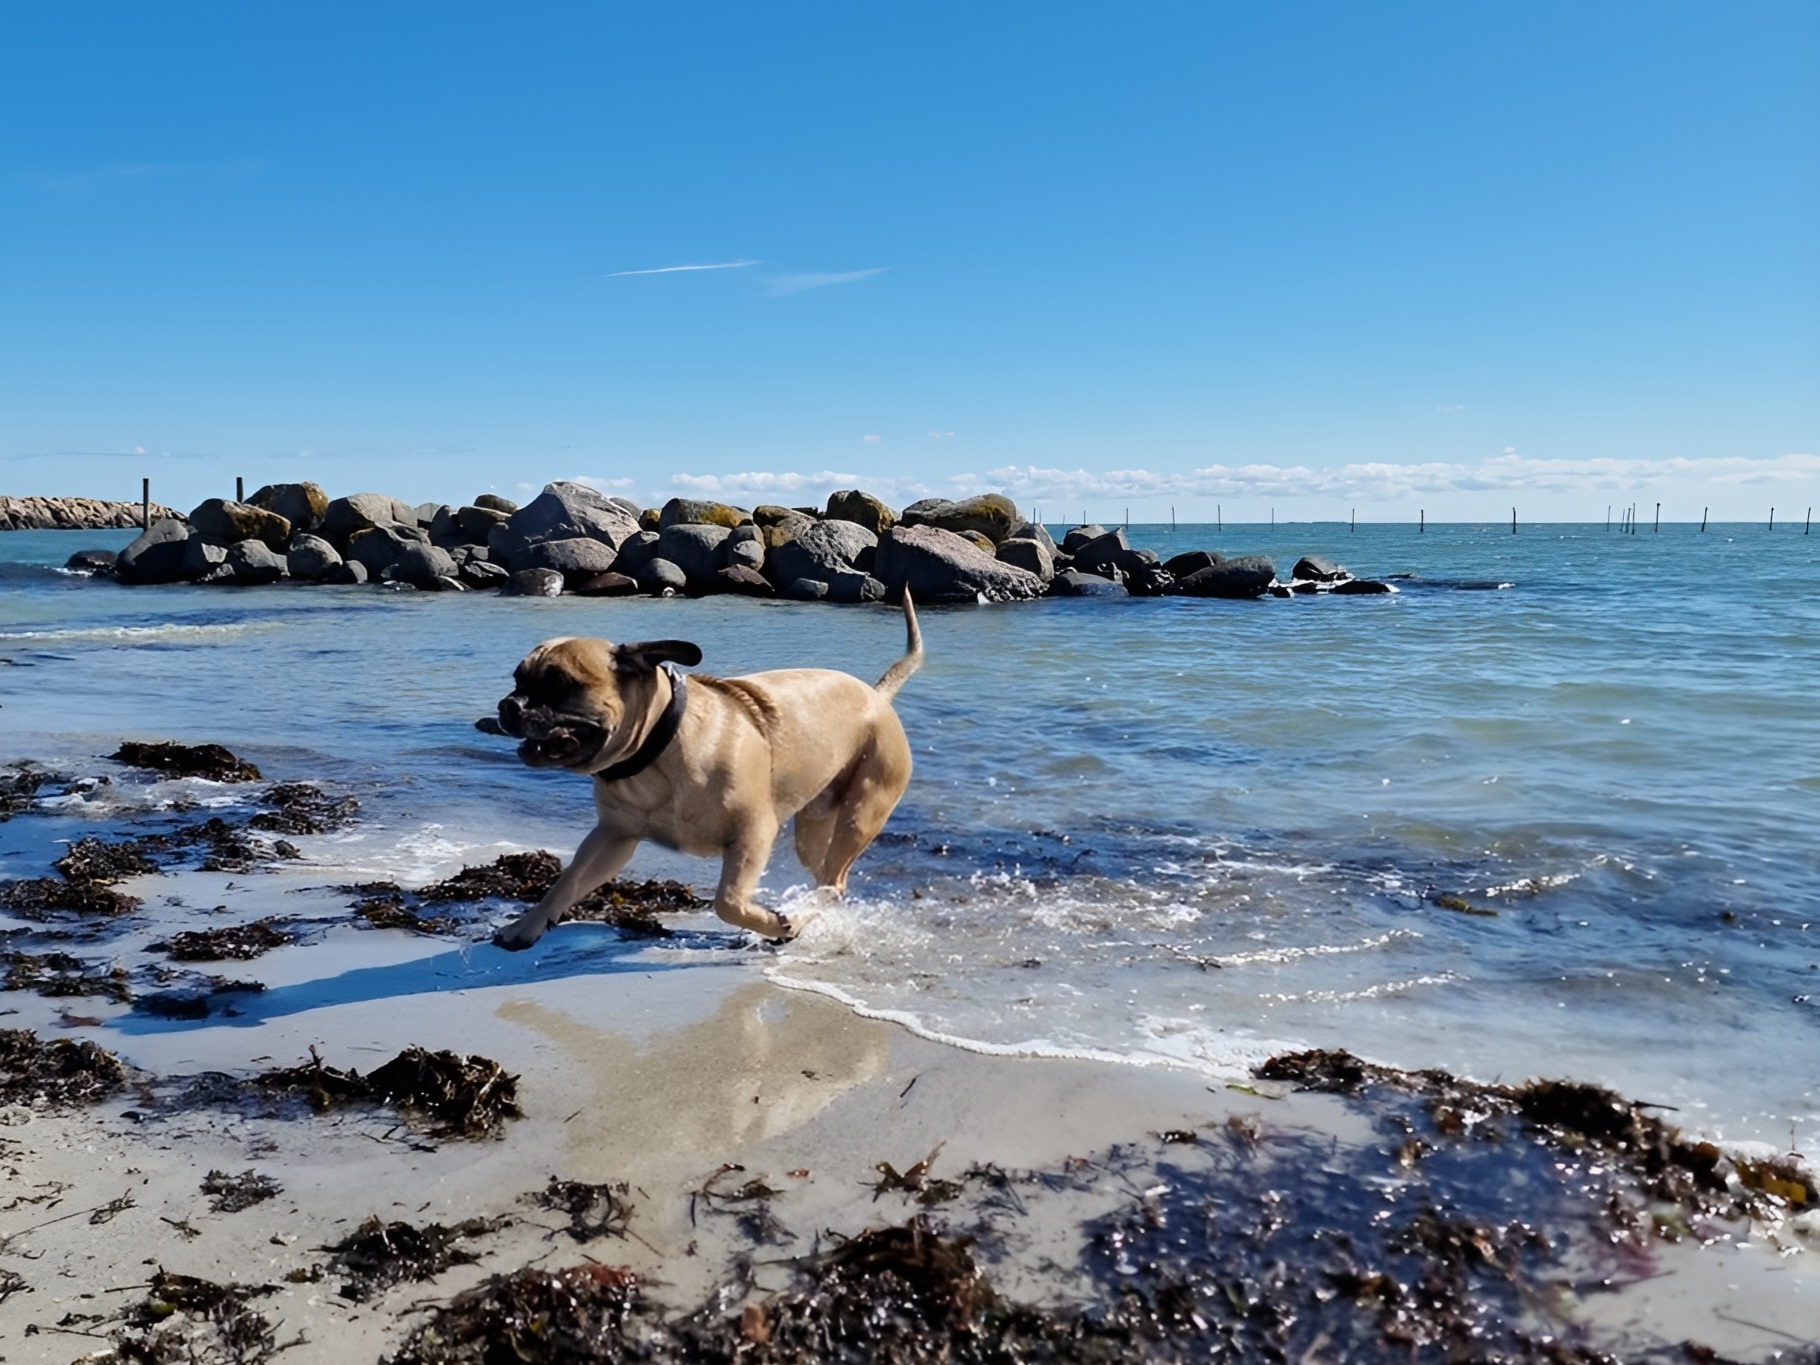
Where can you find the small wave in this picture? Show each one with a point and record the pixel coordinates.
(168, 631)
(1281, 955)
(1364, 992)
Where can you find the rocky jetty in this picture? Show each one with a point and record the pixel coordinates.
(573, 540)
(73, 514)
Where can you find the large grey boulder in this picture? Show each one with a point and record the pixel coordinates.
(1191, 561)
(574, 558)
(423, 566)
(696, 512)
(492, 502)
(563, 511)
(695, 548)
(630, 508)
(156, 556)
(853, 586)
(1110, 551)
(1317, 569)
(850, 504)
(1074, 583)
(738, 578)
(1361, 587)
(640, 549)
(1247, 576)
(534, 583)
(1031, 554)
(346, 574)
(602, 585)
(253, 562)
(822, 549)
(939, 566)
(425, 514)
(200, 556)
(475, 524)
(660, 578)
(224, 521)
(993, 515)
(379, 547)
(1034, 530)
(479, 573)
(345, 517)
(302, 504)
(744, 549)
(804, 590)
(1081, 535)
(785, 528)
(310, 558)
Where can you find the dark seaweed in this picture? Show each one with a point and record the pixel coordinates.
(221, 1329)
(236, 1192)
(55, 1074)
(58, 974)
(37, 897)
(467, 1097)
(512, 876)
(536, 1317)
(303, 808)
(96, 860)
(593, 1210)
(378, 1255)
(186, 760)
(234, 942)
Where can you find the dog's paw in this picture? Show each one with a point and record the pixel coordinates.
(790, 926)
(514, 939)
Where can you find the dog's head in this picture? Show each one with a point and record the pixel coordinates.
(571, 696)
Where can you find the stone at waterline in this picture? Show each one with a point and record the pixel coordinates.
(92, 561)
(480, 573)
(1361, 587)
(1318, 569)
(446, 584)
(603, 585)
(492, 502)
(423, 565)
(1029, 553)
(695, 548)
(641, 549)
(310, 558)
(380, 547)
(534, 583)
(223, 521)
(939, 566)
(302, 504)
(255, 563)
(346, 575)
(853, 586)
(861, 508)
(1110, 551)
(1191, 561)
(562, 511)
(1246, 576)
(822, 549)
(1074, 583)
(749, 582)
(1081, 535)
(660, 576)
(577, 557)
(202, 556)
(804, 590)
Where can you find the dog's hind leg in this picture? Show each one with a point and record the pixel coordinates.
(868, 793)
(742, 864)
(598, 858)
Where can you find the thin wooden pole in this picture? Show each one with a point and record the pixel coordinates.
(1513, 521)
(1658, 518)
(145, 504)
(1422, 523)
(239, 489)
(1703, 512)
(1808, 529)
(1772, 518)
(1172, 518)
(1355, 518)
(1219, 517)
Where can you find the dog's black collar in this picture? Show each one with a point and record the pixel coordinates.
(659, 738)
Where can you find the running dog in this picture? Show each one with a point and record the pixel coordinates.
(709, 765)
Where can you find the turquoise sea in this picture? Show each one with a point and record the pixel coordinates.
(1550, 809)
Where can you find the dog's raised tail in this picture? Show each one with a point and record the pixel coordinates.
(899, 673)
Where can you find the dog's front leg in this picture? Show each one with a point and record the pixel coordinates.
(600, 856)
(742, 864)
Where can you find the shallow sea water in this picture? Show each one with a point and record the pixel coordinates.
(1162, 831)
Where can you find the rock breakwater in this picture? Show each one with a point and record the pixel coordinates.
(73, 514)
(571, 539)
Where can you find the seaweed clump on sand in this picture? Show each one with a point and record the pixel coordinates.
(462, 1097)
(59, 974)
(19, 784)
(577, 1316)
(631, 907)
(303, 808)
(184, 1320)
(37, 897)
(56, 1074)
(593, 1210)
(378, 1254)
(230, 943)
(232, 1193)
(96, 860)
(212, 761)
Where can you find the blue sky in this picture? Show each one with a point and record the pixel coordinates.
(1314, 256)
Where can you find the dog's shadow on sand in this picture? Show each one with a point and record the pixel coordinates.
(568, 951)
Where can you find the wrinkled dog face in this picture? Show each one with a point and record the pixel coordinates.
(571, 696)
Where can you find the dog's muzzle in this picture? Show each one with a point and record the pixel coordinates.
(550, 739)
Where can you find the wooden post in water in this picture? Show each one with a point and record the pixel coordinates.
(1658, 518)
(1273, 518)
(1703, 512)
(1355, 518)
(1772, 518)
(1422, 522)
(1172, 518)
(145, 504)
(1513, 521)
(1219, 517)
(1809, 528)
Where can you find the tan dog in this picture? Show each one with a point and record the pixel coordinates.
(710, 766)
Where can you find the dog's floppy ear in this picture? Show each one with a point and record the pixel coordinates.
(643, 656)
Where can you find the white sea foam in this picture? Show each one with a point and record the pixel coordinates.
(220, 632)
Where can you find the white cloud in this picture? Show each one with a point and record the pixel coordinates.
(941, 436)
(1450, 407)
(872, 440)
(679, 269)
(795, 284)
